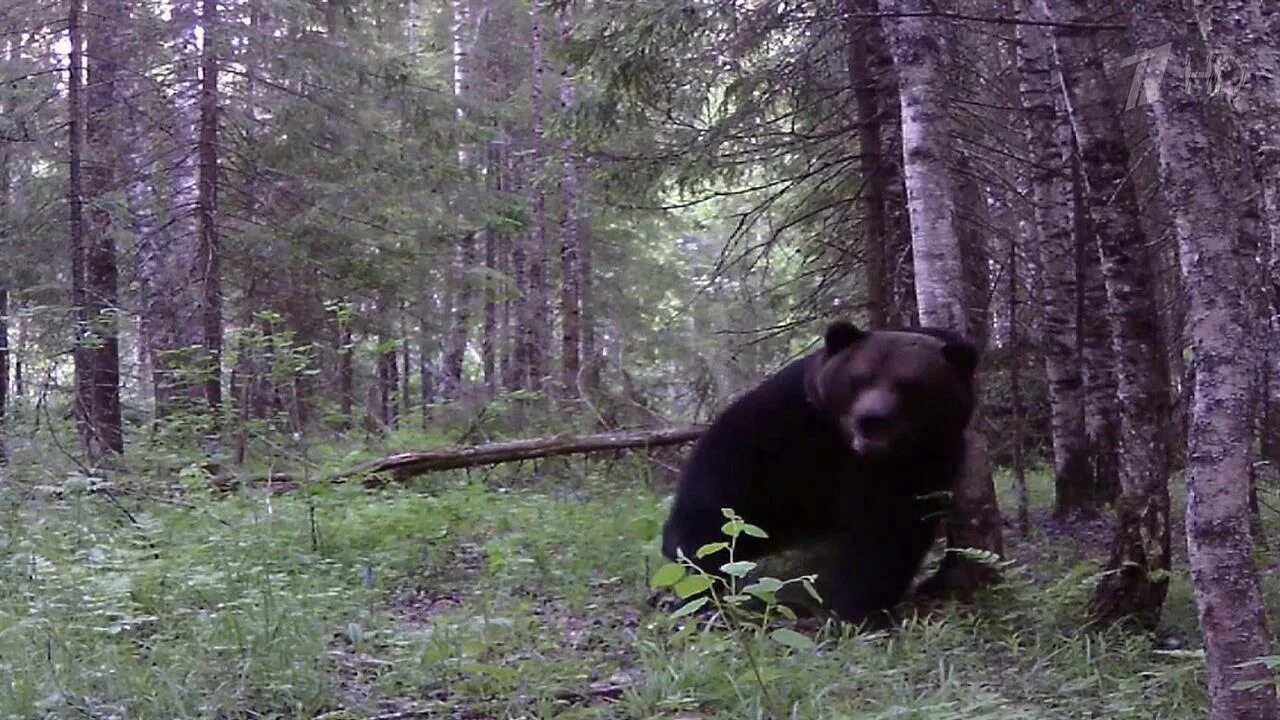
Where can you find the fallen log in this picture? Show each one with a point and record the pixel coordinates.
(410, 464)
(417, 463)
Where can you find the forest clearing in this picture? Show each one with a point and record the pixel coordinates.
(639, 359)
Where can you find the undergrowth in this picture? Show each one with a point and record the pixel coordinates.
(504, 594)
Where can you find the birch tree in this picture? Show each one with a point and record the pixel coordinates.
(1219, 456)
(537, 334)
(570, 293)
(5, 279)
(179, 261)
(919, 52)
(1135, 585)
(1244, 46)
(75, 212)
(464, 29)
(4, 365)
(1049, 140)
(1095, 349)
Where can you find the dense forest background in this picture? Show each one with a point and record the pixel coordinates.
(248, 245)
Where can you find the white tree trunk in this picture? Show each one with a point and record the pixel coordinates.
(176, 270)
(919, 52)
(1244, 45)
(1139, 562)
(537, 296)
(1048, 137)
(1219, 544)
(570, 294)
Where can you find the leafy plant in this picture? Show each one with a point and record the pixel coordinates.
(746, 604)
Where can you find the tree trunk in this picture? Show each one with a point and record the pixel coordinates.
(418, 463)
(1015, 392)
(1135, 587)
(1244, 43)
(1220, 547)
(519, 310)
(426, 384)
(570, 302)
(919, 54)
(867, 61)
(346, 372)
(462, 29)
(75, 215)
(1048, 138)
(4, 309)
(405, 371)
(590, 358)
(101, 354)
(1094, 348)
(16, 355)
(387, 409)
(388, 372)
(4, 359)
(178, 262)
(463, 300)
(151, 236)
(537, 333)
(208, 273)
(490, 338)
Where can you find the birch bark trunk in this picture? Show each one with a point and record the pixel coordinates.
(920, 57)
(1135, 587)
(1219, 458)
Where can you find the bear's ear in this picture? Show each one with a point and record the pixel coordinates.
(962, 356)
(841, 335)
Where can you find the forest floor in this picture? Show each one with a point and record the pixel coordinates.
(498, 594)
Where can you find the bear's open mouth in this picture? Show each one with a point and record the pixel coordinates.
(864, 445)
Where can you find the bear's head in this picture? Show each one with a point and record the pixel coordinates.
(893, 390)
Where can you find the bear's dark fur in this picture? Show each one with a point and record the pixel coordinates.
(854, 446)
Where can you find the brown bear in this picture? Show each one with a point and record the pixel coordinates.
(854, 447)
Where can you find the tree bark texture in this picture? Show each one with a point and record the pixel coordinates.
(101, 353)
(1095, 348)
(5, 195)
(537, 334)
(490, 335)
(1015, 391)
(919, 54)
(570, 293)
(1048, 138)
(591, 361)
(519, 311)
(179, 261)
(346, 372)
(4, 364)
(410, 464)
(868, 63)
(463, 29)
(1219, 458)
(417, 463)
(1135, 587)
(75, 212)
(389, 384)
(209, 258)
(1244, 44)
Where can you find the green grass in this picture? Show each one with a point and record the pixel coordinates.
(458, 598)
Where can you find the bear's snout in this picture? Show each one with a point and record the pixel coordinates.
(872, 423)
